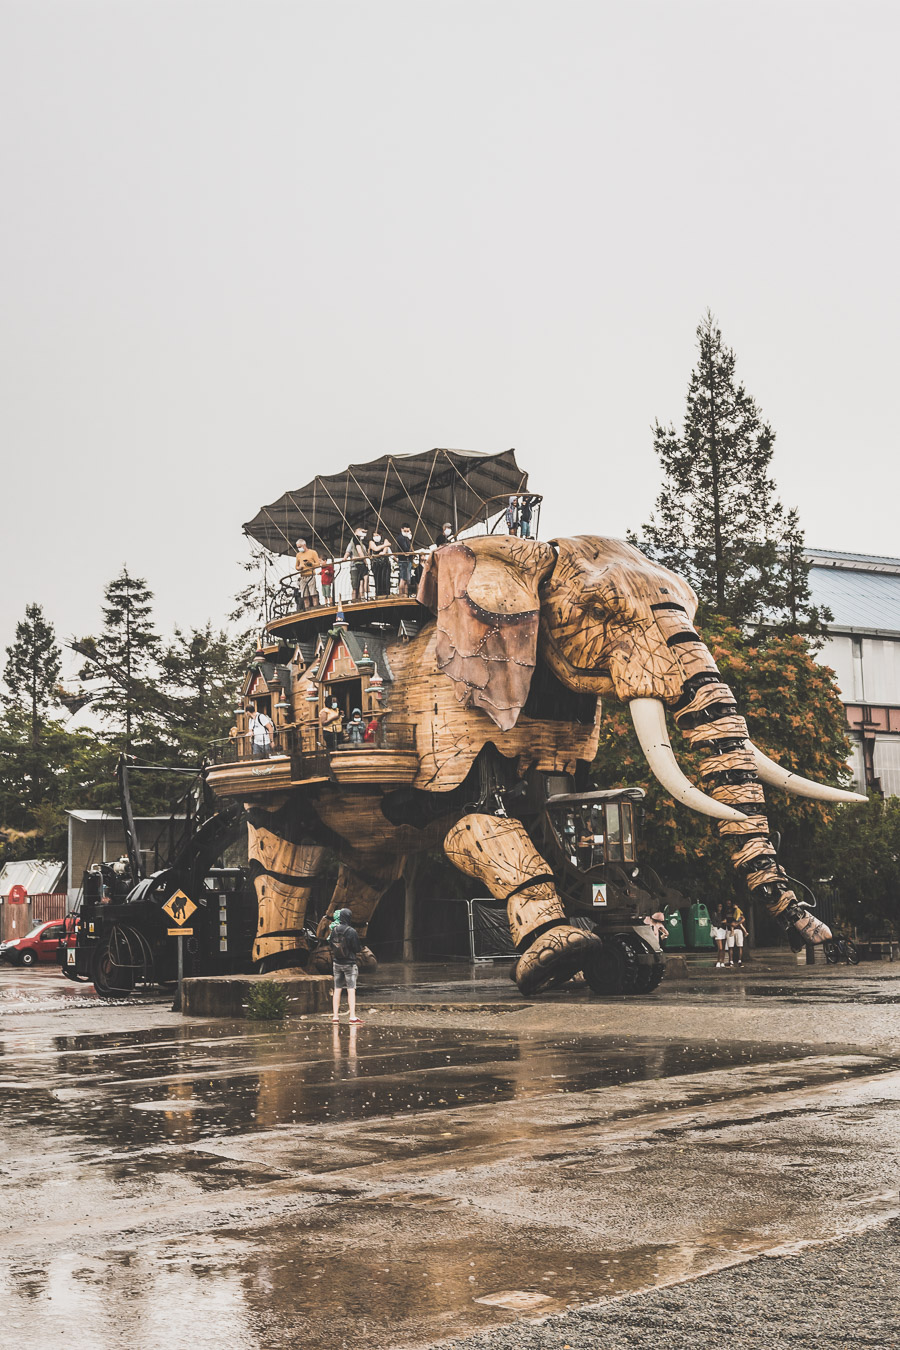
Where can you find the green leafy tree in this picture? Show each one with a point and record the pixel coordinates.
(40, 781)
(862, 861)
(717, 520)
(199, 676)
(123, 659)
(32, 669)
(793, 713)
(253, 601)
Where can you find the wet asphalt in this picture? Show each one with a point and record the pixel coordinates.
(574, 1170)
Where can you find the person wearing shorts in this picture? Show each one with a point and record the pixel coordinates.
(736, 932)
(345, 945)
(720, 934)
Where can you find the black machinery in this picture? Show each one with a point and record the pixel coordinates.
(122, 941)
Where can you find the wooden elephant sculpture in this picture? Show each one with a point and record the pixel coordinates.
(519, 642)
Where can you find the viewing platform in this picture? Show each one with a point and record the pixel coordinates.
(299, 759)
(389, 610)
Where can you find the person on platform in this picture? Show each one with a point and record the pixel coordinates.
(306, 562)
(261, 729)
(512, 516)
(380, 553)
(356, 728)
(415, 573)
(371, 730)
(345, 945)
(405, 550)
(446, 536)
(326, 578)
(331, 721)
(357, 553)
(526, 506)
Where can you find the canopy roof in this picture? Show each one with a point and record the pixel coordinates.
(422, 491)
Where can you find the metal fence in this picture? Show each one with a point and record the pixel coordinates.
(48, 906)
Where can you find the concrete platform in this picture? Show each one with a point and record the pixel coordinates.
(226, 995)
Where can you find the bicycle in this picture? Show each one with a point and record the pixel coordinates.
(839, 948)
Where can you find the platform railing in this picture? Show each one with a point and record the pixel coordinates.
(305, 747)
(388, 736)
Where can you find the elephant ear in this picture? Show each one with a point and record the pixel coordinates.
(485, 595)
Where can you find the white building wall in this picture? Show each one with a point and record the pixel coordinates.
(887, 764)
(839, 654)
(881, 670)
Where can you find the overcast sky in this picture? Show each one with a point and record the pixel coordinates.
(244, 242)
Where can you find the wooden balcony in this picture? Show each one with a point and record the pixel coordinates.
(297, 760)
(388, 609)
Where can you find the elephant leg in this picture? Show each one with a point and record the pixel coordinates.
(283, 873)
(498, 851)
(351, 891)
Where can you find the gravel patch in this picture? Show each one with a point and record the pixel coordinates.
(841, 1296)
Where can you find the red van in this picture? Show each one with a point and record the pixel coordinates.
(41, 944)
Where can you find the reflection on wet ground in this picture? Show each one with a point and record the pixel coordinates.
(203, 1184)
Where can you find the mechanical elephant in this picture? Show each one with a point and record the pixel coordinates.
(605, 621)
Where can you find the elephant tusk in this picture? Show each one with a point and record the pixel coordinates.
(779, 777)
(649, 718)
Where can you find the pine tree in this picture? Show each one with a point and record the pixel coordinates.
(123, 658)
(33, 665)
(717, 521)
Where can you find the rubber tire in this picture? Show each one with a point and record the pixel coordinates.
(29, 959)
(614, 970)
(831, 952)
(101, 983)
(852, 953)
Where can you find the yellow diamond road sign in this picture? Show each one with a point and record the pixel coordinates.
(179, 907)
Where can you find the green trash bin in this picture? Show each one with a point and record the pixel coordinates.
(675, 941)
(698, 929)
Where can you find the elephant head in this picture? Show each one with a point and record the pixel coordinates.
(609, 621)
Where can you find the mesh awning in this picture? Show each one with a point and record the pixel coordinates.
(422, 491)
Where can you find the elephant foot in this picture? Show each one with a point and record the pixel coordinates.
(554, 957)
(367, 960)
(805, 926)
(292, 960)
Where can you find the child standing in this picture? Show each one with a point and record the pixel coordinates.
(345, 945)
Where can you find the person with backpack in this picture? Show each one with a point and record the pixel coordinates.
(345, 945)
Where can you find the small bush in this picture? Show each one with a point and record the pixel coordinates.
(266, 1001)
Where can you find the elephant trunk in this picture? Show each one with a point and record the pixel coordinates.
(708, 718)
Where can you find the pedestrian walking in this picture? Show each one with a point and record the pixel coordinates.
(345, 946)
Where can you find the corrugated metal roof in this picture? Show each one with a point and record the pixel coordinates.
(857, 562)
(859, 600)
(37, 877)
(88, 815)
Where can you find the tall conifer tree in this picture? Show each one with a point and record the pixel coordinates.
(123, 658)
(32, 669)
(718, 521)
